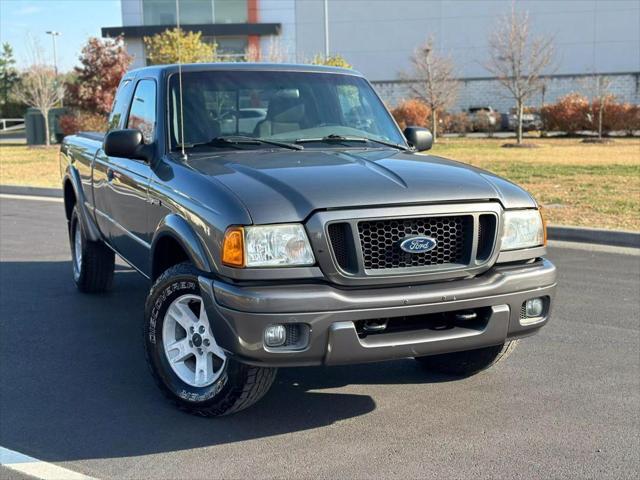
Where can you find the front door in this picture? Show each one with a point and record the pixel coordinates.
(128, 183)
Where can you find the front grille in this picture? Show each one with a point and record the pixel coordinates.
(380, 240)
(340, 235)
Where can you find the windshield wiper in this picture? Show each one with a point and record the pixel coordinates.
(246, 140)
(343, 138)
(234, 140)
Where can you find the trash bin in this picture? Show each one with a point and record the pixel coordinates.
(35, 128)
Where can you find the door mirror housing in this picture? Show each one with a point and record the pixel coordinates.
(128, 143)
(419, 138)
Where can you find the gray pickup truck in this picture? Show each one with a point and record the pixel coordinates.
(284, 219)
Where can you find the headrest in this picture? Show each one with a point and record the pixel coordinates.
(284, 109)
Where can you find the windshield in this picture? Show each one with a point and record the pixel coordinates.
(279, 106)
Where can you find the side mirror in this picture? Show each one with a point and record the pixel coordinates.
(419, 138)
(127, 143)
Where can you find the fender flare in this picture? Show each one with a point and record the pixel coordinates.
(90, 228)
(178, 229)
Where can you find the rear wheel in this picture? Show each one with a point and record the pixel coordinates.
(187, 363)
(469, 362)
(93, 262)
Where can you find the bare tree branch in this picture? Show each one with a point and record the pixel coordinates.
(518, 60)
(435, 81)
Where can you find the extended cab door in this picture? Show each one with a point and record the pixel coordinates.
(126, 198)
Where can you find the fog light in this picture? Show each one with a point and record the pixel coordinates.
(534, 307)
(275, 336)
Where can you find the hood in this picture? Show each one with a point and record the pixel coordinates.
(286, 186)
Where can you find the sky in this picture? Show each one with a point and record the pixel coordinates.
(24, 21)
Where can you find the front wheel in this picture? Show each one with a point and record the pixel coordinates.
(468, 362)
(187, 363)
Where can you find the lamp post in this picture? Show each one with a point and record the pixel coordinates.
(54, 34)
(326, 29)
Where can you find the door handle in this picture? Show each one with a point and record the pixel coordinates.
(110, 174)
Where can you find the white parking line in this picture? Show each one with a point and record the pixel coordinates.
(11, 196)
(37, 468)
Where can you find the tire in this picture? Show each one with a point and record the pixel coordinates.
(223, 385)
(467, 363)
(94, 265)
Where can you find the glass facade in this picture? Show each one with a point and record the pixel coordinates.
(193, 12)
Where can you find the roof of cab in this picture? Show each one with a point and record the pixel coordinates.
(160, 70)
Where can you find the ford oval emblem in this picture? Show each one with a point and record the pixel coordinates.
(418, 244)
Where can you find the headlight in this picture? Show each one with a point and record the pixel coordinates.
(267, 246)
(522, 229)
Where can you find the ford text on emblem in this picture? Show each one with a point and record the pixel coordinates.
(418, 244)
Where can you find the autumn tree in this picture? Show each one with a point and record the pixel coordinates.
(39, 88)
(518, 59)
(331, 61)
(103, 63)
(411, 113)
(172, 46)
(8, 77)
(433, 81)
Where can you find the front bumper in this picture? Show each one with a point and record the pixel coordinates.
(239, 315)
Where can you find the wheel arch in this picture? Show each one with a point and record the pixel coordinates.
(175, 242)
(74, 195)
(70, 198)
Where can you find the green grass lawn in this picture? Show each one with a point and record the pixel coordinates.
(579, 184)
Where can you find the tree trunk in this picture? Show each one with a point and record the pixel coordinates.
(47, 140)
(520, 108)
(434, 124)
(600, 115)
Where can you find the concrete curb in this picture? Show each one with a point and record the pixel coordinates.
(618, 238)
(33, 191)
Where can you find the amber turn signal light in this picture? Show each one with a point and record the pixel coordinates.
(233, 247)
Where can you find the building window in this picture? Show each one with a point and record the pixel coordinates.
(230, 11)
(194, 12)
(229, 48)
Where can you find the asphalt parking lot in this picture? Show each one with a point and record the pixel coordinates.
(76, 391)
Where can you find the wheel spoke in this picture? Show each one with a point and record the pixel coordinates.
(179, 351)
(202, 315)
(182, 314)
(202, 368)
(215, 349)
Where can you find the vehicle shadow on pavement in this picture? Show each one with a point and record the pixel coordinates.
(75, 384)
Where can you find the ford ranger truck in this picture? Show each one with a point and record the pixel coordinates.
(283, 219)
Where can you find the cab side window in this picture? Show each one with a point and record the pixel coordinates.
(119, 104)
(142, 115)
